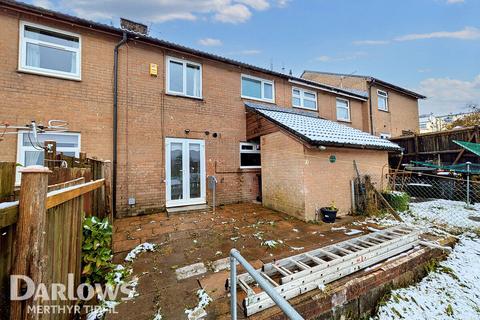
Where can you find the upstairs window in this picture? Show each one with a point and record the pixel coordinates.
(304, 99)
(249, 155)
(49, 51)
(258, 89)
(184, 78)
(343, 110)
(382, 100)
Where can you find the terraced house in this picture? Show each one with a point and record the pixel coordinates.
(170, 117)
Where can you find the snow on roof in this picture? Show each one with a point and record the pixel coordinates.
(317, 131)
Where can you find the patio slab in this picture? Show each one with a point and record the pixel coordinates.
(206, 237)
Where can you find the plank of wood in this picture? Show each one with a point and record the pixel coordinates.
(9, 215)
(55, 198)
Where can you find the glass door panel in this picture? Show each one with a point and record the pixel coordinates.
(176, 171)
(194, 150)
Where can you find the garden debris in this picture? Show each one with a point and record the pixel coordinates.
(190, 271)
(353, 232)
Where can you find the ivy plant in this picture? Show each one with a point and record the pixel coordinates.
(96, 250)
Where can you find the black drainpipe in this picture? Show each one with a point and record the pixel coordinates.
(115, 121)
(370, 105)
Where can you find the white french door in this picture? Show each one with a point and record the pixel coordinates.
(185, 172)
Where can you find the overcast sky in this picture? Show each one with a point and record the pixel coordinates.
(430, 46)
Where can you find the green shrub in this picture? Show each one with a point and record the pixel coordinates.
(96, 250)
(398, 200)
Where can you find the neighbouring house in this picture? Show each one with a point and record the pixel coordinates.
(171, 116)
(390, 110)
(434, 123)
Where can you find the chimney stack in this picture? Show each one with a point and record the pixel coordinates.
(133, 26)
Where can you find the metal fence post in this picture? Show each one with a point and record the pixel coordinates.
(233, 288)
(468, 183)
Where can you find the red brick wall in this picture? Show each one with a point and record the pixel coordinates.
(146, 113)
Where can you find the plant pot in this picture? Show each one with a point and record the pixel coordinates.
(328, 215)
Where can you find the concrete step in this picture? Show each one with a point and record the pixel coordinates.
(188, 209)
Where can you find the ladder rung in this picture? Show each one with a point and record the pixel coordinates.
(269, 279)
(315, 259)
(299, 264)
(343, 249)
(332, 255)
(283, 271)
(245, 287)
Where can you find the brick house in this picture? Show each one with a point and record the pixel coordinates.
(170, 117)
(390, 110)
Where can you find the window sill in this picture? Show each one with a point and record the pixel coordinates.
(184, 96)
(257, 99)
(302, 108)
(50, 75)
(386, 111)
(344, 121)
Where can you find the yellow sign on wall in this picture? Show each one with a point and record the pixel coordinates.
(153, 69)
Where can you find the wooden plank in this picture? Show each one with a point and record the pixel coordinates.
(55, 198)
(63, 185)
(9, 215)
(7, 181)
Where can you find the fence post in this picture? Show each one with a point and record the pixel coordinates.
(107, 174)
(50, 153)
(468, 183)
(30, 236)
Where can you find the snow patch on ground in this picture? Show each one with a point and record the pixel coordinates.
(453, 292)
(132, 255)
(199, 311)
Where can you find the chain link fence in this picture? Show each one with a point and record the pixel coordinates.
(422, 186)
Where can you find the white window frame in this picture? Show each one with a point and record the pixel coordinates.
(22, 57)
(184, 68)
(256, 149)
(262, 85)
(383, 94)
(348, 109)
(302, 98)
(21, 148)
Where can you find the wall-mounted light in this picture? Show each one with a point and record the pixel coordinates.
(187, 131)
(322, 148)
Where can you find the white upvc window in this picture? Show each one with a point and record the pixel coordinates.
(184, 78)
(29, 154)
(257, 88)
(250, 155)
(382, 97)
(48, 51)
(343, 110)
(304, 99)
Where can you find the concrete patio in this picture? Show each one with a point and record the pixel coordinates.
(207, 237)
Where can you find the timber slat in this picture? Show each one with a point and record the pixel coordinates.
(58, 197)
(9, 215)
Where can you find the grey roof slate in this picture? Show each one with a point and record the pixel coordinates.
(318, 131)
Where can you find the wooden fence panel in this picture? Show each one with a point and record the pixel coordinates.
(7, 252)
(7, 181)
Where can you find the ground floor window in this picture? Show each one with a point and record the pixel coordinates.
(249, 155)
(29, 154)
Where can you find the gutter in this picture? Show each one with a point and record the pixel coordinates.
(115, 121)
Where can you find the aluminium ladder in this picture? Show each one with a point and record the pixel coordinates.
(307, 271)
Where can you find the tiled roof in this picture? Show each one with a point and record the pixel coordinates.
(318, 131)
(167, 44)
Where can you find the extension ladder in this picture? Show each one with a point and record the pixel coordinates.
(307, 271)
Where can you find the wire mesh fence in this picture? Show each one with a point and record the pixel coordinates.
(421, 186)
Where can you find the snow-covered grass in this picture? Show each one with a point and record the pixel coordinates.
(450, 292)
(452, 289)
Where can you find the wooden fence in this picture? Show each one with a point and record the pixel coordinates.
(436, 146)
(41, 234)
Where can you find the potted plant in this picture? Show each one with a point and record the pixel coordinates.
(329, 214)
